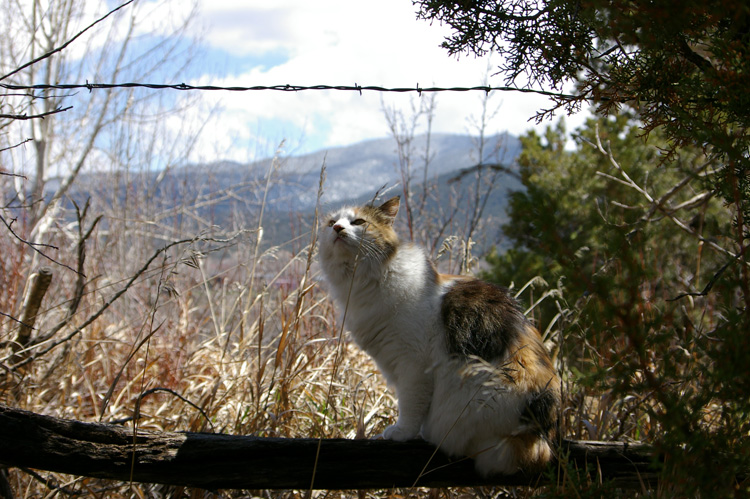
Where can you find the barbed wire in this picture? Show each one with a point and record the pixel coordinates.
(282, 88)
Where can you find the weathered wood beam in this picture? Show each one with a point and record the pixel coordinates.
(214, 461)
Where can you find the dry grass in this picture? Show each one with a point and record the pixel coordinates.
(219, 333)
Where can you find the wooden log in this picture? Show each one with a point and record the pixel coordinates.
(215, 461)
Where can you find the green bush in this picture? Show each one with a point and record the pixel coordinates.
(653, 333)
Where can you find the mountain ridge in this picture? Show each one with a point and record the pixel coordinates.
(230, 194)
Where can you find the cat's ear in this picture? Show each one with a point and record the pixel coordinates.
(390, 207)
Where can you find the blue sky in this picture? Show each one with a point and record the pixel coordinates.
(276, 42)
(333, 42)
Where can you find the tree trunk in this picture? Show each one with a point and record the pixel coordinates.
(213, 461)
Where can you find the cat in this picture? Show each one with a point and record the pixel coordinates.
(471, 374)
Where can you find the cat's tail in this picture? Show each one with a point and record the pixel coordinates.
(528, 452)
(530, 447)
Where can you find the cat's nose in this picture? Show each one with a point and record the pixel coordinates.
(338, 227)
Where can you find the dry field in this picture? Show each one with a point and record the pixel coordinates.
(179, 325)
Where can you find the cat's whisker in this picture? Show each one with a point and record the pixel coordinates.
(373, 250)
(370, 249)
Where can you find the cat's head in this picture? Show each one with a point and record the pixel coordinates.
(365, 230)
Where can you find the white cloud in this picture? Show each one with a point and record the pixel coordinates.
(303, 42)
(340, 42)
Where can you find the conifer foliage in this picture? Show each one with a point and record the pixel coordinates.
(684, 65)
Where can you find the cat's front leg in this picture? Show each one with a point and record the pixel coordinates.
(414, 393)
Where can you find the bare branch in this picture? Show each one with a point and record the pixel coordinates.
(83, 236)
(64, 45)
(8, 149)
(33, 116)
(33, 245)
(106, 305)
(657, 204)
(3, 344)
(707, 288)
(175, 394)
(499, 167)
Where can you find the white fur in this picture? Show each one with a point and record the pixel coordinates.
(393, 313)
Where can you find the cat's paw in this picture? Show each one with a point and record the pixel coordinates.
(399, 433)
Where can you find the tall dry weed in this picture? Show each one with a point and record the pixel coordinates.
(184, 326)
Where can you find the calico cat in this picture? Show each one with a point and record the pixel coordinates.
(471, 374)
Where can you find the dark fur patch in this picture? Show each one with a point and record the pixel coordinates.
(480, 319)
(541, 412)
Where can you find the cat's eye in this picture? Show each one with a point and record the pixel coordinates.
(359, 221)
(331, 223)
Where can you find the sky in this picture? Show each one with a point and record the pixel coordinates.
(303, 43)
(335, 42)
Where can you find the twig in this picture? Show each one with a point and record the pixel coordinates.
(677, 187)
(81, 280)
(64, 45)
(3, 344)
(29, 243)
(49, 483)
(713, 280)
(104, 307)
(171, 392)
(34, 116)
(499, 167)
(656, 204)
(33, 246)
(13, 147)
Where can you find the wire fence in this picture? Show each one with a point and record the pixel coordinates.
(281, 88)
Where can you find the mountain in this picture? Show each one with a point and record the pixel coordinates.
(353, 171)
(231, 194)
